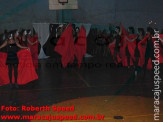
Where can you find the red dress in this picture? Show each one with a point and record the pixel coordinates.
(124, 44)
(65, 46)
(26, 70)
(127, 44)
(111, 48)
(81, 45)
(34, 50)
(123, 51)
(132, 45)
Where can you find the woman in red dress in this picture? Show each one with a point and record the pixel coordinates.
(123, 46)
(18, 61)
(131, 46)
(12, 58)
(33, 45)
(115, 45)
(24, 38)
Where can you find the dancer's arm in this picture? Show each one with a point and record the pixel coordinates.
(32, 43)
(22, 47)
(131, 40)
(123, 31)
(3, 45)
(112, 43)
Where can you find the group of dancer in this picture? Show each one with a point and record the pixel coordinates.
(71, 43)
(19, 50)
(126, 47)
(132, 49)
(19, 57)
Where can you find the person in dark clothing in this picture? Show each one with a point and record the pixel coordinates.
(149, 53)
(130, 32)
(12, 59)
(140, 37)
(141, 34)
(100, 41)
(77, 29)
(23, 38)
(117, 38)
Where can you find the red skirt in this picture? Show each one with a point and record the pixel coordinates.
(131, 48)
(111, 48)
(34, 52)
(26, 70)
(124, 57)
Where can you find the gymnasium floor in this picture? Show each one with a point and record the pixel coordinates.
(98, 87)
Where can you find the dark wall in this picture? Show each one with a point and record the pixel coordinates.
(130, 12)
(22, 13)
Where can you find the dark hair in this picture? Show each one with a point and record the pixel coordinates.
(28, 31)
(156, 29)
(131, 29)
(21, 32)
(9, 34)
(150, 30)
(34, 32)
(14, 31)
(141, 30)
(113, 32)
(117, 27)
(73, 26)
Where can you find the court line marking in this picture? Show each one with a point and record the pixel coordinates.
(82, 79)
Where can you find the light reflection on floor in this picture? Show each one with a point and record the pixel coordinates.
(131, 108)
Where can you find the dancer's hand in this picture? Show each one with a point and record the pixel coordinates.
(28, 48)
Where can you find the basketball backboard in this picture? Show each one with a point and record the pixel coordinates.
(63, 4)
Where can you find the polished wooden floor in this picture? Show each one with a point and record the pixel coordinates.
(98, 77)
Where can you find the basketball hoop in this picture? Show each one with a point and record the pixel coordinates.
(63, 4)
(62, 1)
